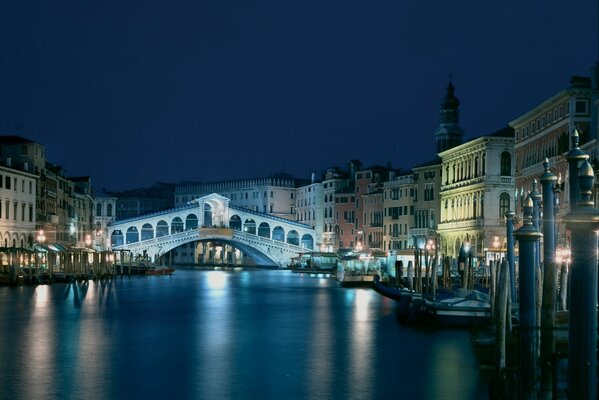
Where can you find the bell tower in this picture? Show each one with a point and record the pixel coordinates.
(449, 133)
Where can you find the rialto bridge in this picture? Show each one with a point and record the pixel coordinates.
(200, 225)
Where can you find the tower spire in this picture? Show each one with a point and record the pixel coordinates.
(449, 133)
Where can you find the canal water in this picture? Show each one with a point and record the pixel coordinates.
(253, 334)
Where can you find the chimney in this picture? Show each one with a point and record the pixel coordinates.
(26, 166)
(8, 161)
(313, 177)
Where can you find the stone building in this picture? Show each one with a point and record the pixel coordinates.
(545, 130)
(476, 191)
(398, 216)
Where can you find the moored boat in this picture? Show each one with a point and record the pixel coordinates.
(160, 271)
(466, 308)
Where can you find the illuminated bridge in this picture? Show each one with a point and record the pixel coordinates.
(268, 240)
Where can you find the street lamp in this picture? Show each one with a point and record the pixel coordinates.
(41, 238)
(88, 240)
(496, 248)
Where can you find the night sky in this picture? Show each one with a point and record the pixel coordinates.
(135, 92)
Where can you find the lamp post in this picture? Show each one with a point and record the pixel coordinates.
(41, 237)
(583, 221)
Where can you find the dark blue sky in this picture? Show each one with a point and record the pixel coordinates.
(134, 92)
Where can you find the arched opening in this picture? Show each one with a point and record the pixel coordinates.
(264, 230)
(176, 225)
(109, 210)
(235, 222)
(132, 235)
(161, 229)
(191, 222)
(506, 164)
(293, 237)
(278, 234)
(116, 239)
(307, 241)
(249, 226)
(147, 232)
(207, 214)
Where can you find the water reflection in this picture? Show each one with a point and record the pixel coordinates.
(222, 335)
(320, 357)
(38, 345)
(361, 346)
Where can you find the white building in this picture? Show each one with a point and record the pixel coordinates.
(17, 208)
(104, 214)
(274, 195)
(310, 208)
(476, 190)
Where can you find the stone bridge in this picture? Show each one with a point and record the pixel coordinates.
(267, 239)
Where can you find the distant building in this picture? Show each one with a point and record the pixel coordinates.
(309, 208)
(104, 215)
(426, 211)
(334, 181)
(449, 133)
(273, 195)
(83, 210)
(398, 218)
(136, 202)
(17, 208)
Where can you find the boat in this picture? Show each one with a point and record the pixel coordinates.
(160, 271)
(410, 303)
(465, 308)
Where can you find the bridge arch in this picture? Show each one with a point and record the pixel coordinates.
(264, 230)
(176, 225)
(235, 222)
(147, 232)
(249, 226)
(207, 215)
(308, 241)
(132, 235)
(191, 222)
(161, 228)
(267, 236)
(116, 239)
(278, 233)
(293, 237)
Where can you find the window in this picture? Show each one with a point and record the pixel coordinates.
(506, 164)
(98, 209)
(109, 210)
(7, 182)
(22, 212)
(581, 107)
(30, 212)
(504, 204)
(30, 187)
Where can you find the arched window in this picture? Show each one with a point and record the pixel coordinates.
(506, 164)
(99, 209)
(109, 210)
(504, 204)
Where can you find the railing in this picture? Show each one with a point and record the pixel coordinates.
(154, 214)
(269, 216)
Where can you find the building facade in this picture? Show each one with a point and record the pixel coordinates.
(398, 217)
(17, 208)
(274, 195)
(546, 129)
(476, 192)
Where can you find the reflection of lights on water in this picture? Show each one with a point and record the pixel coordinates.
(217, 280)
(361, 305)
(42, 295)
